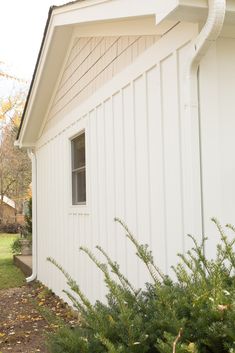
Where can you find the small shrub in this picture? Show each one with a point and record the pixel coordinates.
(11, 228)
(194, 314)
(28, 218)
(16, 246)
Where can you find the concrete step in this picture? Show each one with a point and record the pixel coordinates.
(24, 262)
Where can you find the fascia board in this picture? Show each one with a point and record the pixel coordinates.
(109, 10)
(182, 10)
(191, 11)
(132, 27)
(48, 32)
(51, 60)
(103, 11)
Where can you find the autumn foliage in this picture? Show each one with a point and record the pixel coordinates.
(15, 169)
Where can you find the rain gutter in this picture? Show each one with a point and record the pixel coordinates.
(208, 35)
(33, 276)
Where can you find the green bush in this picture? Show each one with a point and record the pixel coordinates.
(16, 246)
(193, 314)
(27, 228)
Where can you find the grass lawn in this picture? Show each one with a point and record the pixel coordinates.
(10, 276)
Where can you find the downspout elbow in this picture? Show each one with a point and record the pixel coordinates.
(209, 33)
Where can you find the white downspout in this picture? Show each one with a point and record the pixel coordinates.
(208, 35)
(32, 156)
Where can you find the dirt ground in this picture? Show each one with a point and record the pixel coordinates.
(27, 314)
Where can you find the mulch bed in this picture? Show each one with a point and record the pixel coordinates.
(27, 314)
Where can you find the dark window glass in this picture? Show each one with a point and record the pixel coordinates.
(79, 170)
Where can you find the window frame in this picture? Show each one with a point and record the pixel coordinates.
(71, 139)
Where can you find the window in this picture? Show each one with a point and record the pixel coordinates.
(78, 170)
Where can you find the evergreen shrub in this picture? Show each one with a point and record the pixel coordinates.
(27, 228)
(16, 246)
(194, 314)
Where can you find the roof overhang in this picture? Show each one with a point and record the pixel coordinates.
(96, 17)
(193, 11)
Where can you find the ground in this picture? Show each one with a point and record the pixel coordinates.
(28, 314)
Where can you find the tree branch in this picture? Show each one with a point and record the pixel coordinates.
(177, 339)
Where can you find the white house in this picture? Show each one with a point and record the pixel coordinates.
(131, 113)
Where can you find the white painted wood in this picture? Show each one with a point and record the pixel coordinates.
(60, 29)
(119, 175)
(92, 63)
(157, 52)
(156, 166)
(217, 79)
(135, 151)
(130, 175)
(102, 10)
(142, 172)
(171, 157)
(132, 27)
(94, 235)
(189, 215)
(109, 199)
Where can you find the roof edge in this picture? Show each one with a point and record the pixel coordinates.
(36, 66)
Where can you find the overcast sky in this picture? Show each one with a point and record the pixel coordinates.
(22, 24)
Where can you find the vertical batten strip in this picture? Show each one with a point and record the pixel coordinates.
(135, 158)
(141, 166)
(130, 175)
(105, 198)
(114, 174)
(94, 195)
(118, 121)
(180, 151)
(97, 191)
(148, 158)
(163, 169)
(123, 170)
(109, 171)
(156, 165)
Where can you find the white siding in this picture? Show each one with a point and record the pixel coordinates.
(217, 94)
(135, 159)
(91, 63)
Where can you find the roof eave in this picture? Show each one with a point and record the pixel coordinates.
(60, 22)
(192, 11)
(35, 69)
(52, 26)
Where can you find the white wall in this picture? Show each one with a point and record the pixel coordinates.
(137, 151)
(217, 95)
(91, 63)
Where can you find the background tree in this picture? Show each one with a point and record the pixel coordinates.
(15, 175)
(6, 75)
(15, 168)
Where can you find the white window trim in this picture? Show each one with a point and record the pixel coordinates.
(76, 170)
(83, 209)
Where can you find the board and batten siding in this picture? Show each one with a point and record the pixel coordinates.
(217, 96)
(137, 169)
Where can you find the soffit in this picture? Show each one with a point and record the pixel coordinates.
(82, 18)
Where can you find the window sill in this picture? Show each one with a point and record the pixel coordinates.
(81, 210)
